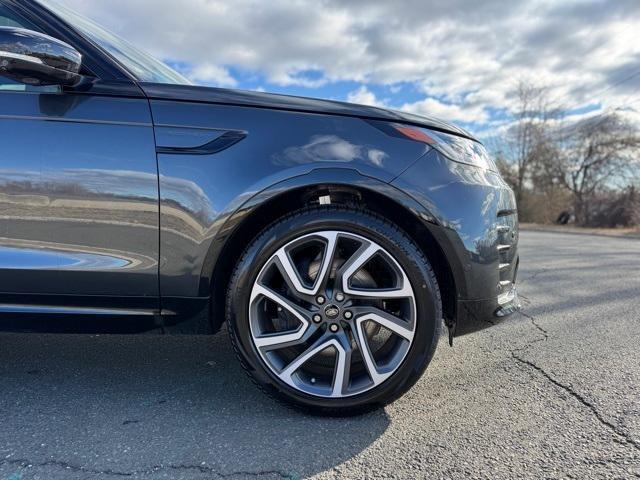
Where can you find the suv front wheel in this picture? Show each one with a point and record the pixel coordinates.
(334, 310)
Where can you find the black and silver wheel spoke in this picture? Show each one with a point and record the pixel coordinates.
(284, 338)
(394, 324)
(342, 364)
(292, 274)
(348, 310)
(358, 260)
(385, 319)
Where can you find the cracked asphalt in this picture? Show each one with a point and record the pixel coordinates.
(553, 392)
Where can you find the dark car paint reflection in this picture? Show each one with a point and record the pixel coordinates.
(54, 257)
(330, 149)
(79, 184)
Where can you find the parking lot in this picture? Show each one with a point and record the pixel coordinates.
(552, 392)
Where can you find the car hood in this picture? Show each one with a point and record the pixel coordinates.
(190, 93)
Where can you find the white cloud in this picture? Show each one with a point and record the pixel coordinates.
(466, 53)
(212, 74)
(447, 111)
(364, 96)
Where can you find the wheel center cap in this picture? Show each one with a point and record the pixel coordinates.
(332, 311)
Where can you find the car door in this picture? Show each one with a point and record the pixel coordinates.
(78, 191)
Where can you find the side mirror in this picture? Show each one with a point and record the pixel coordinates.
(34, 58)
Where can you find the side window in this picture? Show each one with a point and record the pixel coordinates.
(9, 19)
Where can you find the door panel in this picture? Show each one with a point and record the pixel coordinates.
(78, 195)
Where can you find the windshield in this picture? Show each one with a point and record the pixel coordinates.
(143, 66)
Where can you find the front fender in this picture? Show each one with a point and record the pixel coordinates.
(200, 191)
(335, 177)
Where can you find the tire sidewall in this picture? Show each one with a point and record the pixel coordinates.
(405, 252)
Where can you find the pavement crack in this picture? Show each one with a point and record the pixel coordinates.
(578, 396)
(24, 463)
(533, 275)
(244, 473)
(524, 299)
(535, 324)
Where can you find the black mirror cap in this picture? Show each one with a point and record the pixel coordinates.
(33, 58)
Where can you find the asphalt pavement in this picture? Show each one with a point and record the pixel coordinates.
(553, 392)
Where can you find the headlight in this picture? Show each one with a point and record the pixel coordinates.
(458, 149)
(463, 150)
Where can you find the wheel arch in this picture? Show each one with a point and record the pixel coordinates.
(344, 187)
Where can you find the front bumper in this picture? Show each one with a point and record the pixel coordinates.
(475, 315)
(475, 222)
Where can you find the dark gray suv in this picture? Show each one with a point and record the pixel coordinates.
(334, 240)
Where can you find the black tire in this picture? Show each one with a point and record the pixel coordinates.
(368, 225)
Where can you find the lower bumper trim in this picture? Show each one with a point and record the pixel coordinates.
(509, 303)
(476, 315)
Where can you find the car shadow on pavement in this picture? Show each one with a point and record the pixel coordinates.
(151, 405)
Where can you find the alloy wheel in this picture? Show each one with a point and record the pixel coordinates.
(332, 314)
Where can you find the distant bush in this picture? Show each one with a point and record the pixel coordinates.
(615, 209)
(543, 206)
(607, 209)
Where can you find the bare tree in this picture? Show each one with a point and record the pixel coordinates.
(598, 153)
(527, 146)
(552, 163)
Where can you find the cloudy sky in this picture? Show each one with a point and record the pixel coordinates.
(457, 59)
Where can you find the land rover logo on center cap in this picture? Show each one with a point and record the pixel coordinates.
(332, 311)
